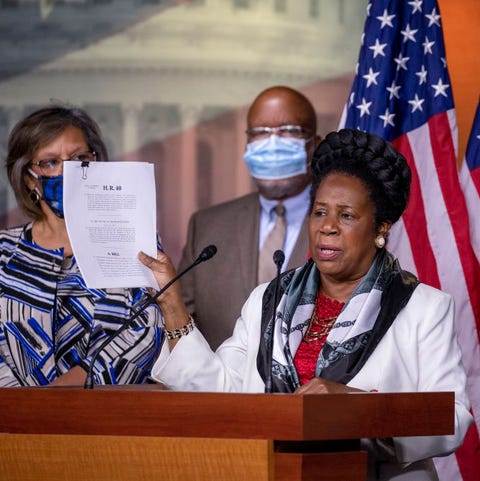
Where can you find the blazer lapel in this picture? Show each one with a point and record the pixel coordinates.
(247, 241)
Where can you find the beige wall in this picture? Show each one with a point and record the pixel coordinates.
(172, 87)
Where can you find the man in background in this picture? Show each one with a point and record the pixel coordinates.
(281, 139)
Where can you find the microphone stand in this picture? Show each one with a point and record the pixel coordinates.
(278, 259)
(207, 253)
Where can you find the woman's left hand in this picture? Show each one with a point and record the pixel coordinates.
(75, 377)
(318, 385)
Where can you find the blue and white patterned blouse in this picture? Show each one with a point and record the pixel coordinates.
(50, 321)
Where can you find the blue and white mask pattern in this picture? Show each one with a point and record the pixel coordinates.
(52, 192)
(276, 157)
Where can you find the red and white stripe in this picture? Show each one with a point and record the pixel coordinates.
(433, 240)
(470, 182)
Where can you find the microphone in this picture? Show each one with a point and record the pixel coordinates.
(206, 254)
(278, 259)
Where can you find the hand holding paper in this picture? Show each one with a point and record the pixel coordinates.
(110, 213)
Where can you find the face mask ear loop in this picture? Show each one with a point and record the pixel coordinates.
(35, 194)
(32, 173)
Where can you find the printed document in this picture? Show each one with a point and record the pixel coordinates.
(110, 212)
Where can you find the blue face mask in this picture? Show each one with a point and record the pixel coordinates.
(276, 157)
(52, 192)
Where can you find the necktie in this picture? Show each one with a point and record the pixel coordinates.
(267, 270)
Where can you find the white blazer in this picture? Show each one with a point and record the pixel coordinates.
(419, 352)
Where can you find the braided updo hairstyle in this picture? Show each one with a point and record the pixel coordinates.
(382, 169)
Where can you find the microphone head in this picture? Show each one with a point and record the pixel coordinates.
(207, 253)
(278, 258)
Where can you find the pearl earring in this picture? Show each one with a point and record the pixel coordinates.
(380, 242)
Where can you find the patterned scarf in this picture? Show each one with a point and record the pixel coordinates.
(366, 316)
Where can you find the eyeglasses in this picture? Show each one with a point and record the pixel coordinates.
(53, 166)
(257, 133)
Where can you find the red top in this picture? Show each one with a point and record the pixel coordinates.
(324, 315)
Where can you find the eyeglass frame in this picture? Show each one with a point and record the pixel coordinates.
(274, 130)
(74, 158)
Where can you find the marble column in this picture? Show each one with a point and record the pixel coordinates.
(130, 114)
(188, 166)
(243, 181)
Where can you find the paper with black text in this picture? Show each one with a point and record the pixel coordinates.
(110, 213)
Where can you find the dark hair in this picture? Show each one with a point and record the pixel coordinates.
(39, 129)
(382, 169)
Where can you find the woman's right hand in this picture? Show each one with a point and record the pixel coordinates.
(164, 272)
(162, 269)
(171, 303)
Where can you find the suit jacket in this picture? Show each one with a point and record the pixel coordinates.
(215, 291)
(419, 352)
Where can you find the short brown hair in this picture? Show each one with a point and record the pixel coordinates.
(36, 130)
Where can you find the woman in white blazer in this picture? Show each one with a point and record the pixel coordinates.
(350, 319)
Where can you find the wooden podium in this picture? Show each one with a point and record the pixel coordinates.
(121, 433)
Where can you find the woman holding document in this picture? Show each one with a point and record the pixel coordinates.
(348, 320)
(51, 324)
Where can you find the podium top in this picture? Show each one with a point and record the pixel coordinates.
(143, 411)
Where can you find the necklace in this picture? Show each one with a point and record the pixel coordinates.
(324, 315)
(318, 327)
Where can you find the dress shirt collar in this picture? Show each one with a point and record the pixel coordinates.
(296, 207)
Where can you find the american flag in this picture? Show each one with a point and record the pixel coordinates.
(470, 180)
(402, 92)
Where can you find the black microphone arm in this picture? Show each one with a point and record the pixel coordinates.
(278, 259)
(206, 254)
